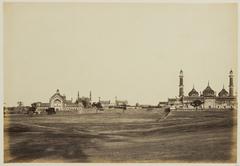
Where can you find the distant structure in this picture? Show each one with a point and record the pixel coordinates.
(120, 102)
(84, 100)
(90, 96)
(59, 103)
(231, 84)
(105, 103)
(208, 98)
(181, 92)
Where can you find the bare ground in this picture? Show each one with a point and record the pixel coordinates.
(121, 137)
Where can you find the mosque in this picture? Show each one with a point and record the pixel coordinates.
(208, 98)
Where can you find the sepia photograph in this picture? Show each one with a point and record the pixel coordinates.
(120, 82)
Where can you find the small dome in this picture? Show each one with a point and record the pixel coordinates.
(193, 92)
(208, 91)
(223, 93)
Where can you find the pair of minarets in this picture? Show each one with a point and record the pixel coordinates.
(181, 86)
(90, 96)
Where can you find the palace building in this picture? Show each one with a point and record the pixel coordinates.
(60, 103)
(208, 99)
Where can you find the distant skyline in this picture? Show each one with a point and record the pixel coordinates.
(132, 51)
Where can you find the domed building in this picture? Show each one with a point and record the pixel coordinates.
(193, 93)
(208, 92)
(59, 103)
(207, 99)
(223, 93)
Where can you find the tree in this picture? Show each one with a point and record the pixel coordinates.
(85, 102)
(97, 105)
(20, 103)
(19, 107)
(196, 103)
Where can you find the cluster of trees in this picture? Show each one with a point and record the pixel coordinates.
(85, 102)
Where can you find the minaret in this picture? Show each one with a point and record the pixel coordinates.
(116, 100)
(181, 92)
(231, 83)
(90, 95)
(78, 96)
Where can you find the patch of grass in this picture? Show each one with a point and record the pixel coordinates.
(121, 137)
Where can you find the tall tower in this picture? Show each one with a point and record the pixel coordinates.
(90, 95)
(181, 92)
(78, 96)
(231, 84)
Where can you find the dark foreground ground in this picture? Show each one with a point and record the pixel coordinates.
(121, 137)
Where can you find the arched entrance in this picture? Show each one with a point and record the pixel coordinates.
(57, 104)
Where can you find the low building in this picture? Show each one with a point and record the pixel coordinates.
(105, 103)
(121, 102)
(162, 104)
(40, 106)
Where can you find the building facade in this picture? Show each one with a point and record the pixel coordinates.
(208, 99)
(59, 103)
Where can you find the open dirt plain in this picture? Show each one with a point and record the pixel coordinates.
(117, 136)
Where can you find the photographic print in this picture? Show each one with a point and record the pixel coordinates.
(120, 82)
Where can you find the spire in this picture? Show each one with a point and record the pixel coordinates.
(231, 86)
(90, 95)
(223, 86)
(193, 86)
(208, 83)
(78, 95)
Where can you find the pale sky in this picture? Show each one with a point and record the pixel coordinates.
(132, 51)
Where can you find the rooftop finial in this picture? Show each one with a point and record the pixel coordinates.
(181, 73)
(208, 83)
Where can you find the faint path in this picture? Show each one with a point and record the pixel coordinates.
(165, 114)
(57, 129)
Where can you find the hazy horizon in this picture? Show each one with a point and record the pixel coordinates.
(132, 51)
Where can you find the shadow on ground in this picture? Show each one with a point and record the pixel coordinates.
(33, 144)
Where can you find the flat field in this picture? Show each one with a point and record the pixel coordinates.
(117, 136)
